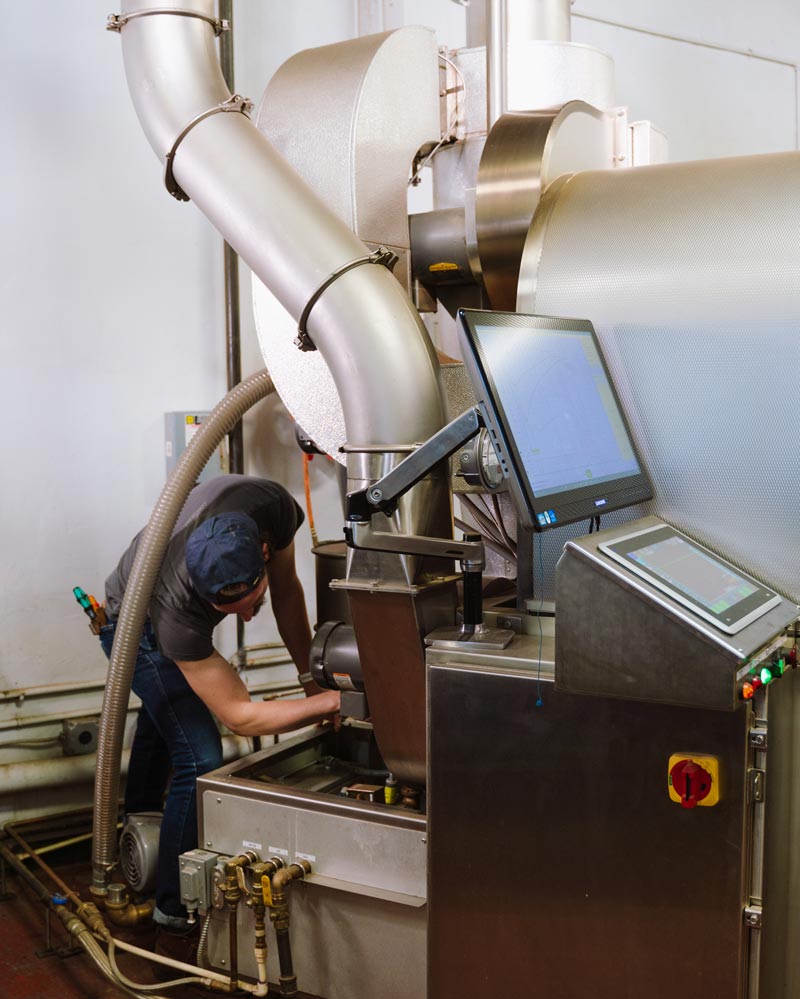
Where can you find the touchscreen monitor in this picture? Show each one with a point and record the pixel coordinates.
(554, 415)
(694, 576)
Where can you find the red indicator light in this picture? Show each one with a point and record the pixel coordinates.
(747, 691)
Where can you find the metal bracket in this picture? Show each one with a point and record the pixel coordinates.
(116, 22)
(382, 496)
(360, 535)
(756, 790)
(383, 255)
(753, 917)
(236, 103)
(758, 738)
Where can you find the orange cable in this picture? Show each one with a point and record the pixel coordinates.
(309, 509)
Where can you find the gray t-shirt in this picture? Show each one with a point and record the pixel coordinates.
(182, 621)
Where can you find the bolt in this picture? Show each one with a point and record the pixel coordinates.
(464, 457)
(505, 623)
(424, 839)
(209, 843)
(219, 801)
(375, 494)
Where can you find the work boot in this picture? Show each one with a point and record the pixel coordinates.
(177, 947)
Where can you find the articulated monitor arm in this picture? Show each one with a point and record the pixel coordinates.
(382, 497)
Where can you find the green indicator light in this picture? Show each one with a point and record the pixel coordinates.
(782, 666)
(766, 676)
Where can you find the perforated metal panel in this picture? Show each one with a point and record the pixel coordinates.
(691, 275)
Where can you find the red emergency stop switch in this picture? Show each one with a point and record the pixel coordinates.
(693, 780)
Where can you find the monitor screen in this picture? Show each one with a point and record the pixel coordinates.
(556, 420)
(693, 576)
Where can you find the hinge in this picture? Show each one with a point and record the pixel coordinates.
(753, 916)
(758, 737)
(756, 785)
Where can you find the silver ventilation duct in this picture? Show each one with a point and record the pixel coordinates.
(374, 344)
(365, 326)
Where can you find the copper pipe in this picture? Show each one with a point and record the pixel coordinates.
(45, 868)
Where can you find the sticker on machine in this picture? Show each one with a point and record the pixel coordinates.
(310, 857)
(251, 846)
(277, 851)
(344, 681)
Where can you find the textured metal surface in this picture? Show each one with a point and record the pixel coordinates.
(691, 276)
(547, 74)
(609, 622)
(370, 104)
(439, 253)
(780, 966)
(368, 853)
(524, 152)
(367, 912)
(597, 884)
(344, 945)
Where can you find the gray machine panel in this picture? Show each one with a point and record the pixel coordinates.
(559, 866)
(361, 914)
(617, 635)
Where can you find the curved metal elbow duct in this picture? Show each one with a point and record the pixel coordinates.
(372, 339)
(364, 325)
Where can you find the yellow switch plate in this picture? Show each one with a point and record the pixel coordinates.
(709, 764)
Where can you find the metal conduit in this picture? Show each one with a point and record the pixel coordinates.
(133, 612)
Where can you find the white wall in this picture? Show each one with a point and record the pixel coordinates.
(112, 291)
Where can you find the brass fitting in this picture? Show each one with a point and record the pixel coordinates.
(130, 913)
(280, 881)
(91, 917)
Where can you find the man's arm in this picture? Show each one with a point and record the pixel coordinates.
(220, 688)
(289, 608)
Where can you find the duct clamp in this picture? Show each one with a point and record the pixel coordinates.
(237, 103)
(116, 22)
(383, 255)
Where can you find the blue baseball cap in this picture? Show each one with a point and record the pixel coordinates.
(223, 551)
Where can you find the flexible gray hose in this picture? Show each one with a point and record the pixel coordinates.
(133, 612)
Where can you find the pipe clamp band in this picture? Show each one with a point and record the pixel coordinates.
(235, 102)
(383, 255)
(116, 22)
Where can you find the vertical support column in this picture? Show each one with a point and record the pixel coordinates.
(233, 344)
(525, 565)
(496, 61)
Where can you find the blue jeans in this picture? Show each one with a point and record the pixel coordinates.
(176, 734)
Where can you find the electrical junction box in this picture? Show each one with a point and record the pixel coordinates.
(79, 736)
(179, 428)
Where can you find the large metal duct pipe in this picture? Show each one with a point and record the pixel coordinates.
(374, 344)
(366, 327)
(526, 20)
